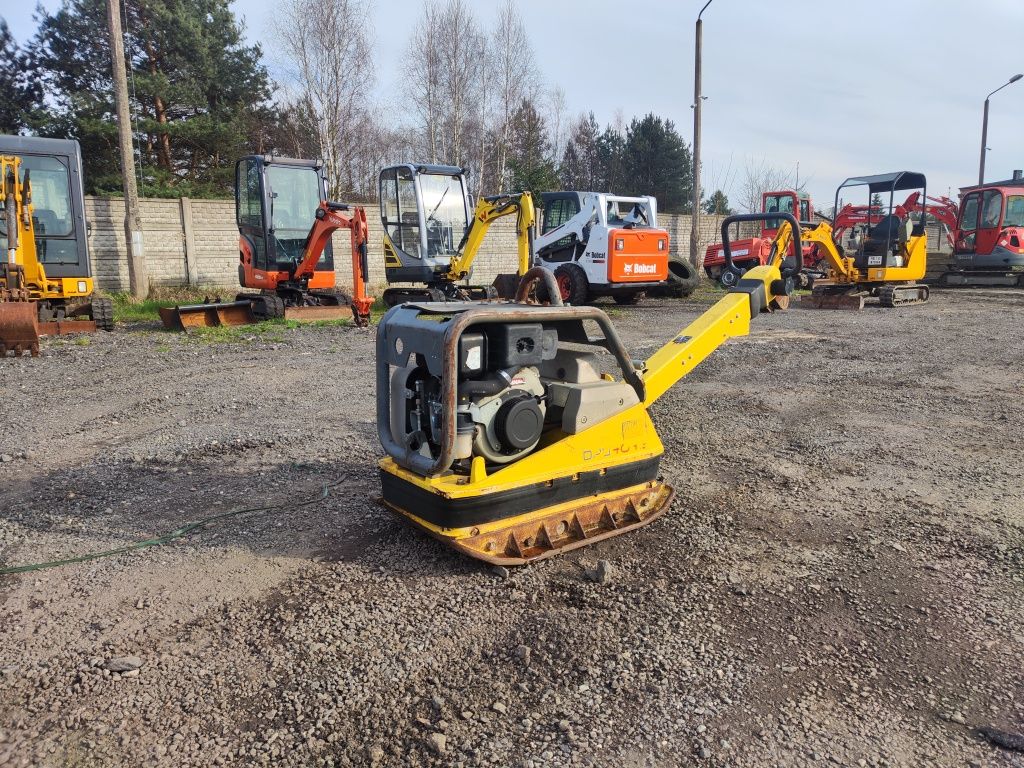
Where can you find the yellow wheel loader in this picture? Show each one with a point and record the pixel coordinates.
(432, 237)
(31, 302)
(512, 433)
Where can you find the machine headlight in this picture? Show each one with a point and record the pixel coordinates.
(661, 245)
(82, 286)
(619, 244)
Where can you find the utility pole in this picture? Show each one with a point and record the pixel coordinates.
(138, 284)
(984, 128)
(695, 256)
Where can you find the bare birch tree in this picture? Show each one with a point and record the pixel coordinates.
(557, 119)
(329, 52)
(460, 46)
(515, 78)
(423, 77)
(760, 177)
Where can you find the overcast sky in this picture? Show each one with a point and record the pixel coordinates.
(841, 88)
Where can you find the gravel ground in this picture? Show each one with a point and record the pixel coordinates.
(839, 579)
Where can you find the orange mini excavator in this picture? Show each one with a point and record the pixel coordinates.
(290, 262)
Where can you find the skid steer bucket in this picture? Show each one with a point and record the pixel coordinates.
(207, 315)
(19, 328)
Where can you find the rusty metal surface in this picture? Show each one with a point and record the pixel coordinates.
(207, 315)
(19, 328)
(543, 275)
(850, 300)
(312, 314)
(563, 528)
(64, 327)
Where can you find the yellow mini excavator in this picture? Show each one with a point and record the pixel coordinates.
(886, 264)
(431, 236)
(31, 303)
(507, 435)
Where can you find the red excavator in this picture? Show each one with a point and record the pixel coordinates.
(988, 244)
(288, 260)
(754, 251)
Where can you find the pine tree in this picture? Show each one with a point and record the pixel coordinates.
(21, 94)
(199, 93)
(717, 204)
(530, 152)
(611, 172)
(657, 162)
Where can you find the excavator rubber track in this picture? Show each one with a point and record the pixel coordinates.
(19, 328)
(977, 278)
(901, 295)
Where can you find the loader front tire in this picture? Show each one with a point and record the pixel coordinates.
(573, 284)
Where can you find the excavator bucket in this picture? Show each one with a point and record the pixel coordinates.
(321, 312)
(210, 315)
(19, 328)
(850, 300)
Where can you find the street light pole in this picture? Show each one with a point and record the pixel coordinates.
(695, 257)
(984, 127)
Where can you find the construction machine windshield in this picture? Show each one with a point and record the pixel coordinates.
(295, 194)
(446, 219)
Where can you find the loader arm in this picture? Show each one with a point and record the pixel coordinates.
(330, 217)
(576, 226)
(756, 291)
(488, 210)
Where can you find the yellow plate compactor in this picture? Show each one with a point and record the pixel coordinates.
(514, 432)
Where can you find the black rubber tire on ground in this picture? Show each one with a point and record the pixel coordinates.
(627, 299)
(682, 276)
(103, 313)
(573, 283)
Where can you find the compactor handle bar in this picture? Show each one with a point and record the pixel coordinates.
(798, 250)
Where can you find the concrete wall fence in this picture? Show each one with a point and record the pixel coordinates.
(195, 242)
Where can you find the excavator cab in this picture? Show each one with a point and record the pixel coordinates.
(276, 200)
(892, 240)
(426, 213)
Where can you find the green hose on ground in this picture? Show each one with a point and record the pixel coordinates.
(177, 533)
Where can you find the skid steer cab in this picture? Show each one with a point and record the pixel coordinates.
(602, 245)
(517, 431)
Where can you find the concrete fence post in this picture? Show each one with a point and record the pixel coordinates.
(191, 258)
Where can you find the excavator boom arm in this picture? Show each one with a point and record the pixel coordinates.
(488, 210)
(330, 217)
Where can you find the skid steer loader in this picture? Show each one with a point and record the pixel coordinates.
(34, 303)
(285, 223)
(600, 244)
(506, 436)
